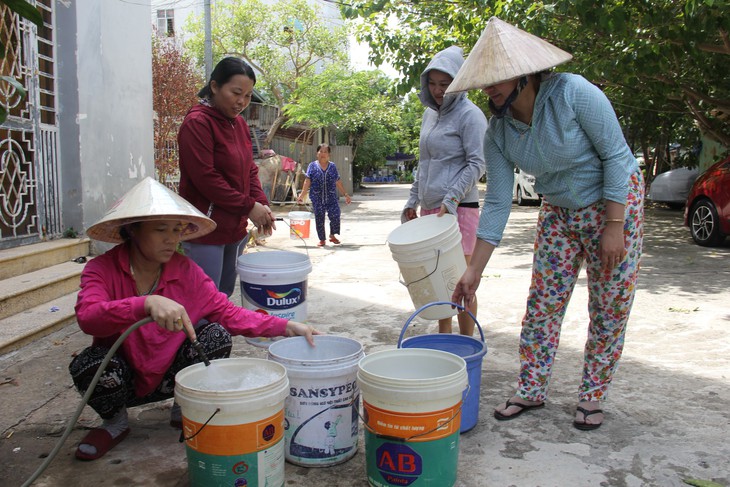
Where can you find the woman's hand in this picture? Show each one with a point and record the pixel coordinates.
(294, 328)
(263, 218)
(466, 288)
(612, 249)
(348, 200)
(169, 314)
(410, 214)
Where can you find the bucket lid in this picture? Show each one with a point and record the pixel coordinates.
(328, 350)
(422, 229)
(274, 260)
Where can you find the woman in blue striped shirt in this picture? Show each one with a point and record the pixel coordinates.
(563, 130)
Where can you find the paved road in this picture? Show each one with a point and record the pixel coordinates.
(667, 414)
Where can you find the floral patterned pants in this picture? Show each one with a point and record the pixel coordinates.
(566, 239)
(115, 388)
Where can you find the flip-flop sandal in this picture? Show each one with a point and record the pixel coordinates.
(523, 408)
(101, 440)
(587, 426)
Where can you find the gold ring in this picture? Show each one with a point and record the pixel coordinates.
(180, 321)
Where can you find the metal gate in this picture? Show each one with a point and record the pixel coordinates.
(29, 166)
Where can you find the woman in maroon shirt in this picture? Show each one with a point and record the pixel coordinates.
(217, 171)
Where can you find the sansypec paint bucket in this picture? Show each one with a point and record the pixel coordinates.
(233, 422)
(469, 348)
(274, 282)
(299, 222)
(412, 402)
(322, 406)
(431, 261)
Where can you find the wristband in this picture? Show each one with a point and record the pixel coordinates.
(614, 220)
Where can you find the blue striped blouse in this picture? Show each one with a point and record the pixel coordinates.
(575, 149)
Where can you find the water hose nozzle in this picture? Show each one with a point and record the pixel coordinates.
(199, 349)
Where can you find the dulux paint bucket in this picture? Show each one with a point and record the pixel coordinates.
(233, 422)
(299, 222)
(469, 348)
(431, 261)
(412, 410)
(321, 410)
(274, 282)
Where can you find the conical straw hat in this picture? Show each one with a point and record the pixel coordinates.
(146, 201)
(504, 52)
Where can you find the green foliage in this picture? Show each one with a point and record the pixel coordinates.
(283, 41)
(70, 232)
(360, 104)
(664, 64)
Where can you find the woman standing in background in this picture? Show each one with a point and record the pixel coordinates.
(324, 180)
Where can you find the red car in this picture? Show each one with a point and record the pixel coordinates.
(707, 213)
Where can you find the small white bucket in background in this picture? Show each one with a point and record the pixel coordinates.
(299, 222)
(233, 421)
(429, 254)
(322, 406)
(274, 282)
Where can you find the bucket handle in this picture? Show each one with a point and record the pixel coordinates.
(182, 433)
(436, 303)
(400, 275)
(418, 435)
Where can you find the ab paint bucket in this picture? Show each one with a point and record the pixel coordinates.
(321, 423)
(274, 282)
(233, 421)
(466, 347)
(412, 400)
(299, 222)
(429, 254)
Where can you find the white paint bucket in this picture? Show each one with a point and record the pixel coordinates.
(322, 407)
(233, 421)
(429, 254)
(274, 282)
(299, 222)
(412, 413)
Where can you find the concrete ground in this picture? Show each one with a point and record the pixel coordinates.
(667, 416)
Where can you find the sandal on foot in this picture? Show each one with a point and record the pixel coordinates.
(523, 408)
(584, 425)
(334, 240)
(321, 243)
(101, 440)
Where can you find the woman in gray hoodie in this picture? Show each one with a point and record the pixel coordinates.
(451, 159)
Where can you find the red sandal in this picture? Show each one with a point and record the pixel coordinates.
(101, 440)
(334, 240)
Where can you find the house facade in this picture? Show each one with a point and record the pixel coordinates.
(83, 135)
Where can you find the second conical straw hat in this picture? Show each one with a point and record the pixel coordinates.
(504, 52)
(149, 200)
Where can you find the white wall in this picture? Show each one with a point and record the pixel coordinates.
(107, 132)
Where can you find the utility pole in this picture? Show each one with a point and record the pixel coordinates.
(208, 41)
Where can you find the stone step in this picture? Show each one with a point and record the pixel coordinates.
(29, 258)
(31, 289)
(34, 323)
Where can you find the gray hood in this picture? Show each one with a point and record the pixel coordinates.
(447, 61)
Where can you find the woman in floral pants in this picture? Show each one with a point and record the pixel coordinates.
(562, 129)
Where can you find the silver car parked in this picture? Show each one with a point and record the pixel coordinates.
(672, 187)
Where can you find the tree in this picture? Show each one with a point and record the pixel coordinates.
(663, 63)
(359, 104)
(175, 84)
(284, 42)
